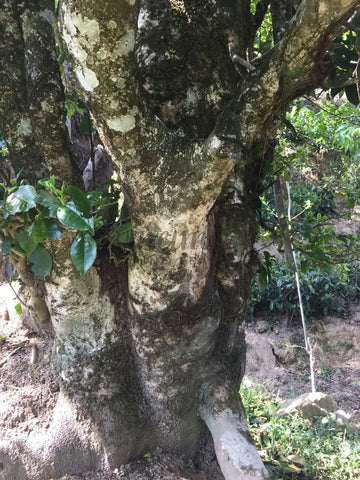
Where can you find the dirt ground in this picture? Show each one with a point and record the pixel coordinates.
(29, 389)
(276, 358)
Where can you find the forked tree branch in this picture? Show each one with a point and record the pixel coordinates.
(303, 47)
(293, 67)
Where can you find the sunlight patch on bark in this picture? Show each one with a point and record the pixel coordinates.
(323, 7)
(48, 15)
(81, 34)
(112, 25)
(89, 30)
(182, 243)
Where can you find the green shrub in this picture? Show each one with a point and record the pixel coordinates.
(321, 449)
(306, 199)
(323, 291)
(319, 199)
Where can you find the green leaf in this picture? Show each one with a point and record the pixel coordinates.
(80, 105)
(53, 229)
(46, 228)
(125, 233)
(25, 239)
(70, 109)
(18, 308)
(289, 125)
(83, 252)
(350, 204)
(352, 94)
(262, 281)
(49, 184)
(48, 199)
(80, 200)
(18, 250)
(84, 126)
(95, 197)
(71, 105)
(71, 218)
(41, 260)
(304, 266)
(111, 181)
(22, 200)
(76, 103)
(6, 246)
(287, 175)
(39, 230)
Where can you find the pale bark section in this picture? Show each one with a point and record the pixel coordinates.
(180, 250)
(101, 41)
(314, 20)
(237, 456)
(80, 311)
(292, 67)
(174, 233)
(309, 35)
(92, 356)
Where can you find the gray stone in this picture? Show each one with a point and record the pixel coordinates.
(309, 405)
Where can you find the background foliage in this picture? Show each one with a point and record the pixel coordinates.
(317, 152)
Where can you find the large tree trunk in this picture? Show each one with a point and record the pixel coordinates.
(151, 352)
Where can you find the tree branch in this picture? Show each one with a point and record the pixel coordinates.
(281, 13)
(302, 50)
(31, 95)
(339, 80)
(101, 43)
(293, 67)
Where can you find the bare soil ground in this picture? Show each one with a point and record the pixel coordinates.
(29, 389)
(277, 359)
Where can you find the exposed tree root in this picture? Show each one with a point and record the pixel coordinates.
(235, 452)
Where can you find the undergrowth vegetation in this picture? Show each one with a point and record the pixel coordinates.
(317, 162)
(324, 292)
(298, 448)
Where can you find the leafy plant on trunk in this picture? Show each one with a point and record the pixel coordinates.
(31, 216)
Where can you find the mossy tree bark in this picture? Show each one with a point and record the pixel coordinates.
(152, 353)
